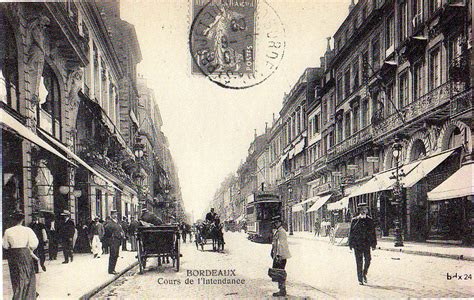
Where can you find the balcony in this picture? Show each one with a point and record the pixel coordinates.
(350, 143)
(430, 105)
(461, 104)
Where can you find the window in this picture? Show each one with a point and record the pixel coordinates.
(98, 202)
(355, 73)
(417, 13)
(403, 90)
(347, 83)
(403, 21)
(418, 80)
(356, 118)
(347, 125)
(390, 32)
(340, 95)
(49, 110)
(375, 54)
(390, 100)
(365, 113)
(435, 69)
(339, 130)
(9, 93)
(324, 114)
(316, 124)
(298, 121)
(365, 67)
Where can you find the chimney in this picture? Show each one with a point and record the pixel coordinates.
(255, 133)
(328, 47)
(351, 6)
(322, 62)
(273, 118)
(266, 127)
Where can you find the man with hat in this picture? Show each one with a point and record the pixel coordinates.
(66, 230)
(40, 231)
(211, 216)
(361, 238)
(280, 252)
(114, 236)
(150, 217)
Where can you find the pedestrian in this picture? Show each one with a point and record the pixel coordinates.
(124, 225)
(40, 231)
(52, 236)
(280, 253)
(132, 230)
(150, 217)
(317, 227)
(182, 228)
(96, 235)
(105, 245)
(114, 236)
(361, 238)
(19, 242)
(82, 244)
(66, 232)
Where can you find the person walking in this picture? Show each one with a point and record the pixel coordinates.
(132, 229)
(280, 253)
(114, 237)
(19, 242)
(361, 238)
(96, 236)
(105, 245)
(40, 231)
(317, 227)
(66, 232)
(124, 225)
(53, 236)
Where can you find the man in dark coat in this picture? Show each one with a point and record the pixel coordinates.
(211, 216)
(132, 229)
(124, 225)
(40, 231)
(66, 230)
(150, 217)
(361, 238)
(114, 236)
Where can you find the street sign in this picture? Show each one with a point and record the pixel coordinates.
(372, 159)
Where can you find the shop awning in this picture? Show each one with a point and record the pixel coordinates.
(424, 168)
(79, 160)
(299, 146)
(381, 181)
(338, 205)
(320, 202)
(18, 127)
(460, 184)
(297, 207)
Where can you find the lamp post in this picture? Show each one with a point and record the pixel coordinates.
(138, 152)
(290, 211)
(397, 193)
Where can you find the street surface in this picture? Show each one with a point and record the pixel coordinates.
(316, 270)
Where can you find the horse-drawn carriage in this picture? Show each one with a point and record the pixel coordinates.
(209, 234)
(160, 241)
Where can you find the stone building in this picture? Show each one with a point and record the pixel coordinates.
(69, 106)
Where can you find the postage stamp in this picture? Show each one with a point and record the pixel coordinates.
(235, 43)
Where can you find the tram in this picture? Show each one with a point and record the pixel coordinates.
(259, 216)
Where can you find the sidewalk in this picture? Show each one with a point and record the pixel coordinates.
(426, 249)
(74, 279)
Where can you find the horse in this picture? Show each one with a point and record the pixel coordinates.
(217, 237)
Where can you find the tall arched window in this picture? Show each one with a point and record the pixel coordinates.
(9, 93)
(418, 150)
(49, 110)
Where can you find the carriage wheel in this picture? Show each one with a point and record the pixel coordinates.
(139, 255)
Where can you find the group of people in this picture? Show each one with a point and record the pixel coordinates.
(362, 238)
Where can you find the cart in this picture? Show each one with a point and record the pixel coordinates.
(339, 235)
(158, 241)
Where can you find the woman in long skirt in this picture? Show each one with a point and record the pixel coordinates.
(20, 241)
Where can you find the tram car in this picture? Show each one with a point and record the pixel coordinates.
(259, 217)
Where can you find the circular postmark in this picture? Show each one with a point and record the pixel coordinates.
(236, 44)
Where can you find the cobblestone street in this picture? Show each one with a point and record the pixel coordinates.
(316, 270)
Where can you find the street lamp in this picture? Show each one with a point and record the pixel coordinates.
(290, 211)
(138, 152)
(397, 193)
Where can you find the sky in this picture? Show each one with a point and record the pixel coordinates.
(209, 127)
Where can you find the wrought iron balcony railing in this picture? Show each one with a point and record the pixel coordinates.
(351, 142)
